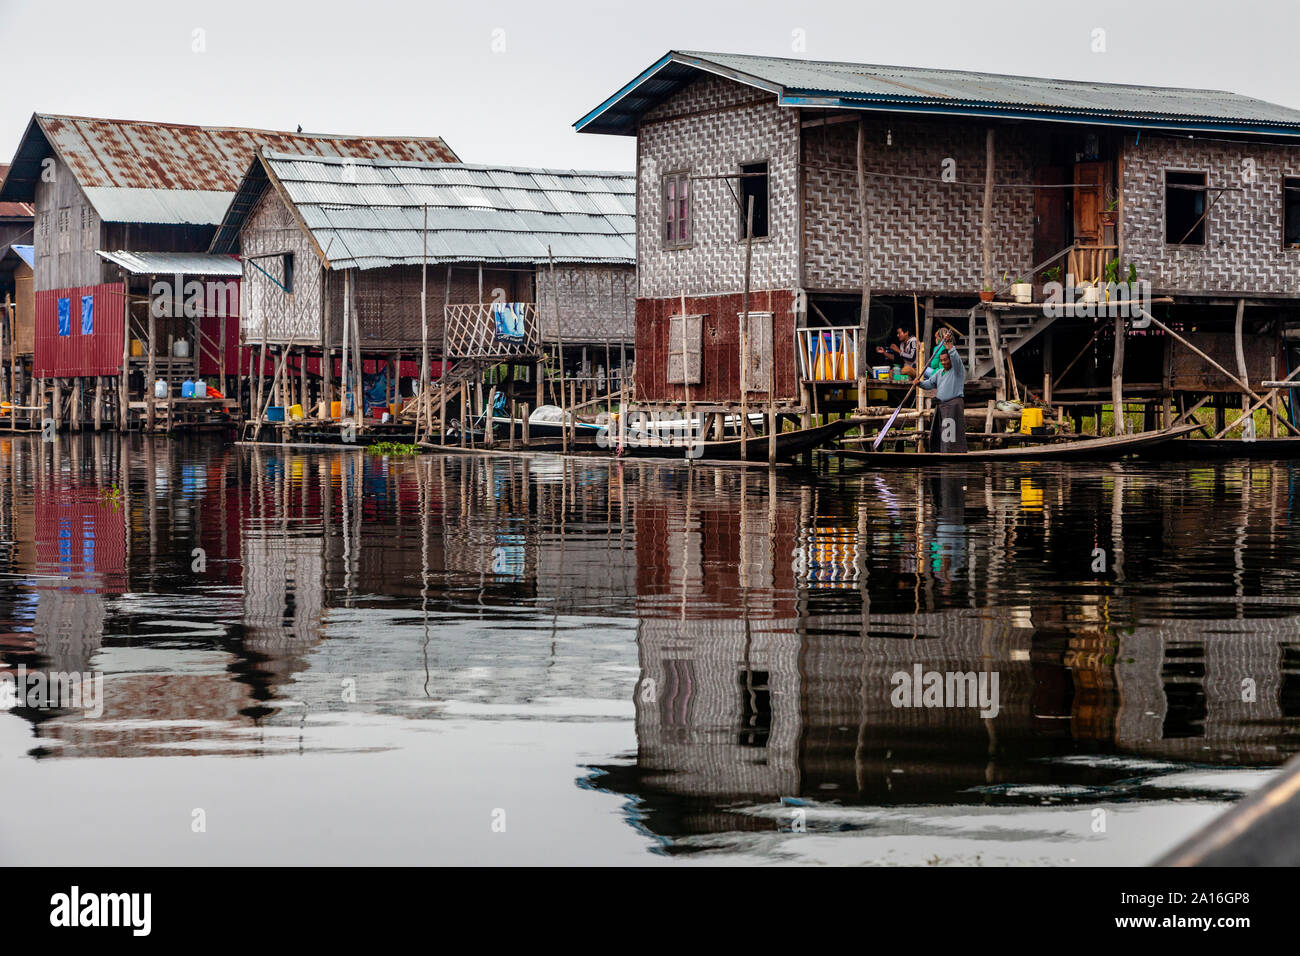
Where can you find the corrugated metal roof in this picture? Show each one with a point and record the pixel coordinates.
(369, 213)
(916, 89)
(135, 171)
(13, 210)
(175, 263)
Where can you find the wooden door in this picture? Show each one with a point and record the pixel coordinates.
(1089, 199)
(1049, 213)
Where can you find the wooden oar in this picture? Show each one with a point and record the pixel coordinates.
(889, 424)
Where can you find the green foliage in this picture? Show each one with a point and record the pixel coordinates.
(394, 449)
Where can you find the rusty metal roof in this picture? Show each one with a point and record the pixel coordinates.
(134, 171)
(862, 86)
(370, 213)
(13, 210)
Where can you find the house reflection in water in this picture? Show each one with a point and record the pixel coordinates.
(838, 593)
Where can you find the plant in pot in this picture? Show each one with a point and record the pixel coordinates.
(1022, 292)
(1110, 215)
(986, 293)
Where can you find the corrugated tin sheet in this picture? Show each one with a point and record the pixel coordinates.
(135, 171)
(26, 253)
(175, 263)
(13, 210)
(916, 89)
(78, 354)
(369, 213)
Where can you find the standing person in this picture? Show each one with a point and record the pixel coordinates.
(948, 382)
(904, 352)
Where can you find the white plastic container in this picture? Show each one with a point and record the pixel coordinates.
(160, 389)
(181, 348)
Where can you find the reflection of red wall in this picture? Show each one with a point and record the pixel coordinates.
(720, 356)
(714, 580)
(75, 354)
(80, 533)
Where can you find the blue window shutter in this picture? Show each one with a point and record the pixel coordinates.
(65, 316)
(87, 315)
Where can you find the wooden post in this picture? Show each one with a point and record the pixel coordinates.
(345, 380)
(97, 406)
(1117, 380)
(424, 413)
(746, 360)
(1241, 351)
(986, 244)
(559, 353)
(864, 320)
(1047, 367)
(123, 383)
(152, 367)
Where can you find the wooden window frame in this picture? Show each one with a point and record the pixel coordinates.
(1164, 211)
(1295, 188)
(682, 176)
(740, 226)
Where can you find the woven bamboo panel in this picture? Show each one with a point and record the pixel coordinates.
(924, 234)
(1243, 249)
(471, 333)
(709, 128)
(597, 303)
(267, 309)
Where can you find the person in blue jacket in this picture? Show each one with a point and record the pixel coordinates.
(948, 382)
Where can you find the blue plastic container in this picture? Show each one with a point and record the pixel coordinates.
(187, 389)
(275, 413)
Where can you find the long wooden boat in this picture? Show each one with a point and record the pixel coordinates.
(1094, 449)
(1223, 449)
(788, 444)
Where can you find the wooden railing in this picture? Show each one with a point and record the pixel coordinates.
(828, 353)
(1087, 264)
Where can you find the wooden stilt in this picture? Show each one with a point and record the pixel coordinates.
(1117, 379)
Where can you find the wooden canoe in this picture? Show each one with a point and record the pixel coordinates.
(1087, 449)
(788, 445)
(1222, 449)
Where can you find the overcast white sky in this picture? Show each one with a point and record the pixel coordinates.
(429, 68)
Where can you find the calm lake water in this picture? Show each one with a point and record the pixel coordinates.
(333, 657)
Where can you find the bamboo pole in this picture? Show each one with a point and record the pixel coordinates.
(1250, 409)
(123, 383)
(423, 415)
(1117, 379)
(1240, 346)
(864, 320)
(745, 360)
(559, 350)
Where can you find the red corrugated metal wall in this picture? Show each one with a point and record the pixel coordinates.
(720, 356)
(210, 325)
(76, 354)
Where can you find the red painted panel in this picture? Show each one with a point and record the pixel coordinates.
(720, 358)
(76, 354)
(210, 325)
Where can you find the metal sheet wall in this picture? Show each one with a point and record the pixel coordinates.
(75, 354)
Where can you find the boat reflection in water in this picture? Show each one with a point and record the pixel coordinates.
(1135, 625)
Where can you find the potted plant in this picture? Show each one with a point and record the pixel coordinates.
(986, 293)
(1110, 215)
(1022, 292)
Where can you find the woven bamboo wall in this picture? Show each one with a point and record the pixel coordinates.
(597, 303)
(925, 236)
(293, 318)
(709, 128)
(1243, 249)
